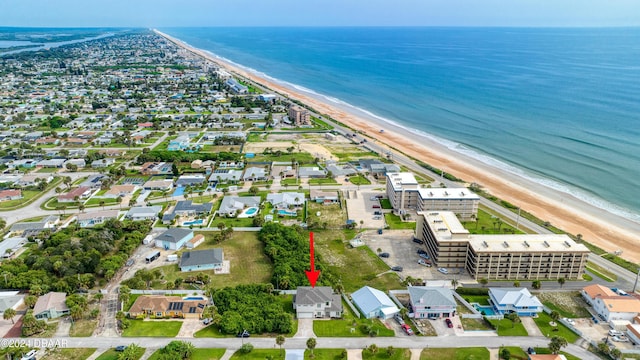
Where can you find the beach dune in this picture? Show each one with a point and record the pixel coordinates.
(606, 230)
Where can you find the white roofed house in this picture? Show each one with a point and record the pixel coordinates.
(143, 213)
(254, 174)
(90, 219)
(518, 300)
(233, 205)
(374, 303)
(286, 199)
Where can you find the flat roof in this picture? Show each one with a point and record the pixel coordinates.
(401, 178)
(447, 193)
(445, 225)
(509, 243)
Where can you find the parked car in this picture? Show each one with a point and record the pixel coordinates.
(379, 231)
(531, 351)
(243, 334)
(621, 338)
(613, 332)
(397, 268)
(31, 355)
(449, 323)
(443, 270)
(207, 321)
(377, 212)
(420, 251)
(376, 206)
(570, 321)
(423, 263)
(407, 329)
(418, 241)
(120, 348)
(377, 217)
(384, 255)
(398, 318)
(424, 256)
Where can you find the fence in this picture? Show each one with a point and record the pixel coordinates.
(353, 308)
(169, 292)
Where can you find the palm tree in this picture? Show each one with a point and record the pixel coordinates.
(557, 343)
(516, 283)
(102, 204)
(280, 341)
(9, 314)
(561, 281)
(554, 315)
(311, 344)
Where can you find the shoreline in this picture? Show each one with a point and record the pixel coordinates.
(597, 226)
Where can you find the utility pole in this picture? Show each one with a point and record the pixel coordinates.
(635, 284)
(518, 219)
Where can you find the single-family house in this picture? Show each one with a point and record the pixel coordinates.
(180, 143)
(431, 302)
(26, 229)
(11, 245)
(286, 199)
(32, 179)
(324, 197)
(159, 306)
(190, 180)
(161, 185)
(10, 194)
(93, 218)
(547, 357)
(51, 163)
(94, 181)
(102, 163)
(10, 300)
(79, 193)
(514, 300)
(186, 208)
(173, 239)
(80, 163)
(254, 174)
(140, 213)
(224, 176)
(233, 205)
(311, 172)
(341, 170)
(210, 259)
(157, 168)
(374, 303)
(193, 243)
(51, 305)
(120, 191)
(317, 302)
(591, 292)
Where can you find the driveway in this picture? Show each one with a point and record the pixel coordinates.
(441, 327)
(305, 328)
(530, 326)
(189, 327)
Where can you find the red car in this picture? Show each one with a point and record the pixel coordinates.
(449, 323)
(407, 329)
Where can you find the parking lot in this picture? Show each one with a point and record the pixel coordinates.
(360, 208)
(402, 252)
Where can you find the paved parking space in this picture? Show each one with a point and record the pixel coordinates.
(441, 327)
(590, 330)
(360, 208)
(401, 249)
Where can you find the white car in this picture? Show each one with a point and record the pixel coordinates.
(620, 338)
(443, 270)
(423, 263)
(570, 321)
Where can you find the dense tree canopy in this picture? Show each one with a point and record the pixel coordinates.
(181, 156)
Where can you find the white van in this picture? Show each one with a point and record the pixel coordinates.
(615, 333)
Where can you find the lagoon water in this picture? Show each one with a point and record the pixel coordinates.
(557, 105)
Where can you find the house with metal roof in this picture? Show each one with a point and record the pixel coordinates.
(173, 239)
(140, 213)
(431, 302)
(374, 303)
(186, 208)
(518, 300)
(211, 259)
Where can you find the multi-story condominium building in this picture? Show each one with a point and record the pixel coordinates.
(405, 193)
(299, 116)
(508, 256)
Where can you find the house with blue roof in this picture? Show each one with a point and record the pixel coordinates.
(173, 239)
(374, 303)
(518, 300)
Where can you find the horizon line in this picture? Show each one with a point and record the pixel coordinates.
(331, 26)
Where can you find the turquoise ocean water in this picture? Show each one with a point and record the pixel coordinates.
(560, 106)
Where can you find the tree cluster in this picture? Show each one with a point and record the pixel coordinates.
(250, 307)
(180, 156)
(176, 350)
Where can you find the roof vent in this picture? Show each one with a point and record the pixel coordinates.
(484, 243)
(568, 244)
(526, 244)
(546, 244)
(506, 244)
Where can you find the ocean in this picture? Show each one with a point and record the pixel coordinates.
(556, 105)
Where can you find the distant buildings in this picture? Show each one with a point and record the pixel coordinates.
(236, 87)
(499, 257)
(405, 193)
(610, 305)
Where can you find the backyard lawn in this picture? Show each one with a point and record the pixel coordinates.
(480, 299)
(359, 180)
(506, 327)
(543, 321)
(162, 328)
(474, 353)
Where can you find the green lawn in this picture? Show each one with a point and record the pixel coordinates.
(395, 223)
(383, 354)
(543, 321)
(386, 204)
(322, 181)
(474, 324)
(112, 354)
(508, 328)
(480, 299)
(198, 354)
(162, 328)
(259, 354)
(69, 354)
(83, 328)
(359, 180)
(132, 299)
(324, 354)
(333, 246)
(96, 201)
(472, 353)
(350, 326)
(300, 157)
(240, 247)
(28, 196)
(568, 303)
(48, 170)
(601, 272)
(516, 352)
(489, 224)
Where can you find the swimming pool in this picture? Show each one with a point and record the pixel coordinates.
(287, 213)
(248, 212)
(486, 309)
(193, 298)
(193, 222)
(179, 191)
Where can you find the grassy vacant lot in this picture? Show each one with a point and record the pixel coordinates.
(567, 304)
(249, 264)
(506, 327)
(323, 181)
(383, 354)
(152, 328)
(198, 354)
(83, 328)
(111, 354)
(69, 354)
(324, 354)
(332, 246)
(489, 224)
(359, 180)
(543, 321)
(332, 215)
(259, 354)
(474, 324)
(350, 326)
(474, 353)
(395, 223)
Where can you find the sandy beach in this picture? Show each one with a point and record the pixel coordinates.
(604, 229)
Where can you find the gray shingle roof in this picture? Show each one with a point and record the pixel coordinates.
(202, 257)
(173, 235)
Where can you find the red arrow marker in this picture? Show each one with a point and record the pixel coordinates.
(313, 274)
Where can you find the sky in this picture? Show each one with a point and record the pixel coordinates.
(186, 13)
